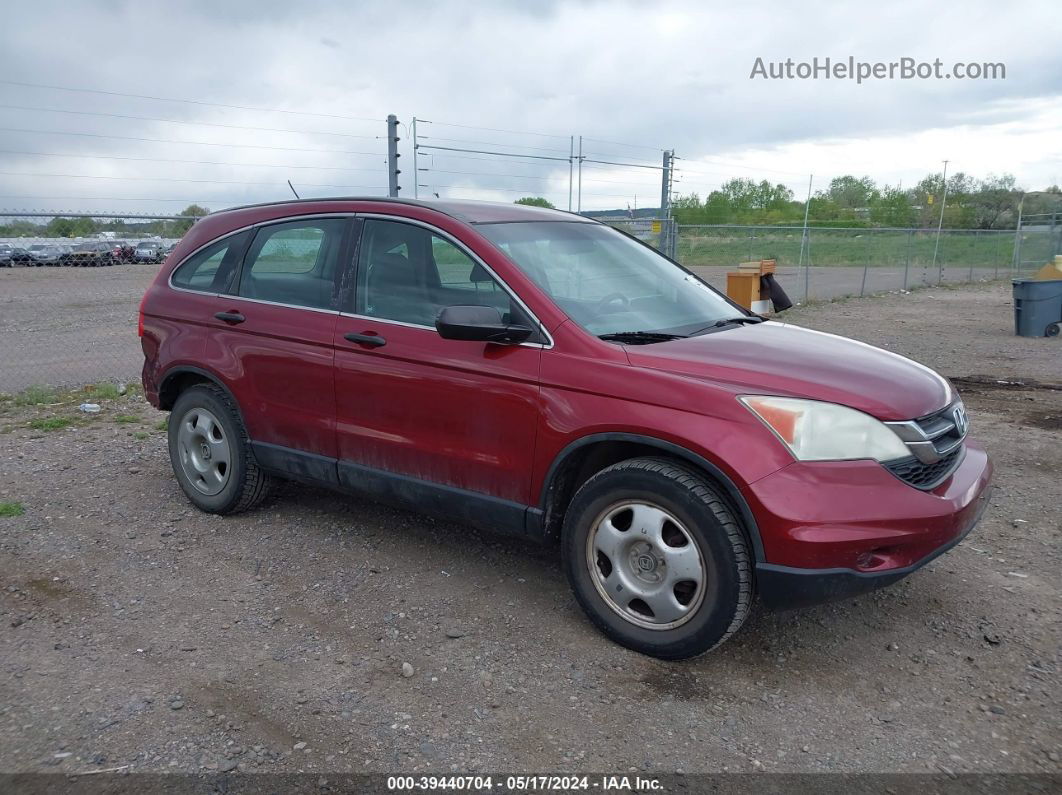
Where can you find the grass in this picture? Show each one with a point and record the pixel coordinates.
(162, 425)
(104, 390)
(9, 509)
(36, 395)
(50, 423)
(851, 247)
(141, 435)
(126, 418)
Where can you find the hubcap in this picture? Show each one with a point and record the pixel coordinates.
(646, 565)
(204, 452)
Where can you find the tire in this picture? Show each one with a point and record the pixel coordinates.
(205, 431)
(694, 526)
(1053, 330)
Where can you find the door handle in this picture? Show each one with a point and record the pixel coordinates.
(230, 317)
(373, 340)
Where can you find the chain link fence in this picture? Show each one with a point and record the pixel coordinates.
(70, 285)
(831, 263)
(660, 233)
(70, 289)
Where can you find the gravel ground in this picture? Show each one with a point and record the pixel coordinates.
(73, 325)
(324, 633)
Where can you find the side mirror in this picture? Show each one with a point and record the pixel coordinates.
(478, 324)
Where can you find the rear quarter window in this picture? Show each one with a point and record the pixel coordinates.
(211, 269)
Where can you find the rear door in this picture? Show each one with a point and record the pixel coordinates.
(273, 334)
(456, 414)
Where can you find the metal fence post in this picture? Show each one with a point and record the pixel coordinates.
(907, 258)
(807, 266)
(977, 237)
(866, 266)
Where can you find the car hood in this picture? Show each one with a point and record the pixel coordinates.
(778, 359)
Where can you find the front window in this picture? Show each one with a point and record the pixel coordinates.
(607, 282)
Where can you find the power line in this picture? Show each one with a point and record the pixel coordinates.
(191, 162)
(179, 121)
(620, 143)
(484, 159)
(499, 154)
(485, 143)
(124, 198)
(188, 143)
(492, 129)
(173, 179)
(185, 101)
(486, 174)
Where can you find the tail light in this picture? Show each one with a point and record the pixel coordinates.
(140, 317)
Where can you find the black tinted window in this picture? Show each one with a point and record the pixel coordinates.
(294, 263)
(407, 273)
(211, 269)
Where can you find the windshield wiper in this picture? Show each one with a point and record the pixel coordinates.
(640, 337)
(728, 321)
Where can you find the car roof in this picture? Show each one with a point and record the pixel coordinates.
(472, 212)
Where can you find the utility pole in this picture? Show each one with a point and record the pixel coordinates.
(940, 223)
(579, 196)
(666, 169)
(416, 171)
(571, 166)
(805, 242)
(392, 157)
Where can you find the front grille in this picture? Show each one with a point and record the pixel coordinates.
(924, 476)
(935, 443)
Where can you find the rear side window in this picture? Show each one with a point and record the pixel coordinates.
(294, 263)
(211, 269)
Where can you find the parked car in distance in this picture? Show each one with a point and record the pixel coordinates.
(13, 255)
(148, 251)
(123, 250)
(540, 373)
(95, 253)
(45, 254)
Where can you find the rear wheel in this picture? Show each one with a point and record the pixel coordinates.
(211, 454)
(1053, 330)
(656, 558)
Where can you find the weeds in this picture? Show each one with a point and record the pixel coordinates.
(36, 395)
(49, 423)
(126, 418)
(9, 509)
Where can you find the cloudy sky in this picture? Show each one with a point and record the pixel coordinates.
(149, 106)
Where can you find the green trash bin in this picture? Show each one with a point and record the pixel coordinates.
(1037, 307)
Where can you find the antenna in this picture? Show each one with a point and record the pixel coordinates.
(292, 189)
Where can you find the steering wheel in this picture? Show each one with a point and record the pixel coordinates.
(613, 298)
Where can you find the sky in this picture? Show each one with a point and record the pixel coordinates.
(146, 107)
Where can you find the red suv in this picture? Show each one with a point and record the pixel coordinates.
(542, 374)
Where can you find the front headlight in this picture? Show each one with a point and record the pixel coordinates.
(817, 431)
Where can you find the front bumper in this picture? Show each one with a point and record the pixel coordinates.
(830, 530)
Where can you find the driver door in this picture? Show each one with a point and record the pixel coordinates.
(452, 422)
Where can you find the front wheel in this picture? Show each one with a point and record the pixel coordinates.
(211, 453)
(1053, 330)
(656, 558)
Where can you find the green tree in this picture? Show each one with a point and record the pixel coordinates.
(535, 201)
(192, 211)
(892, 207)
(851, 193)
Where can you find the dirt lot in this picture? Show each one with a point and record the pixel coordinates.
(136, 631)
(77, 325)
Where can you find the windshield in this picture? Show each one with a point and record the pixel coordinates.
(606, 282)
